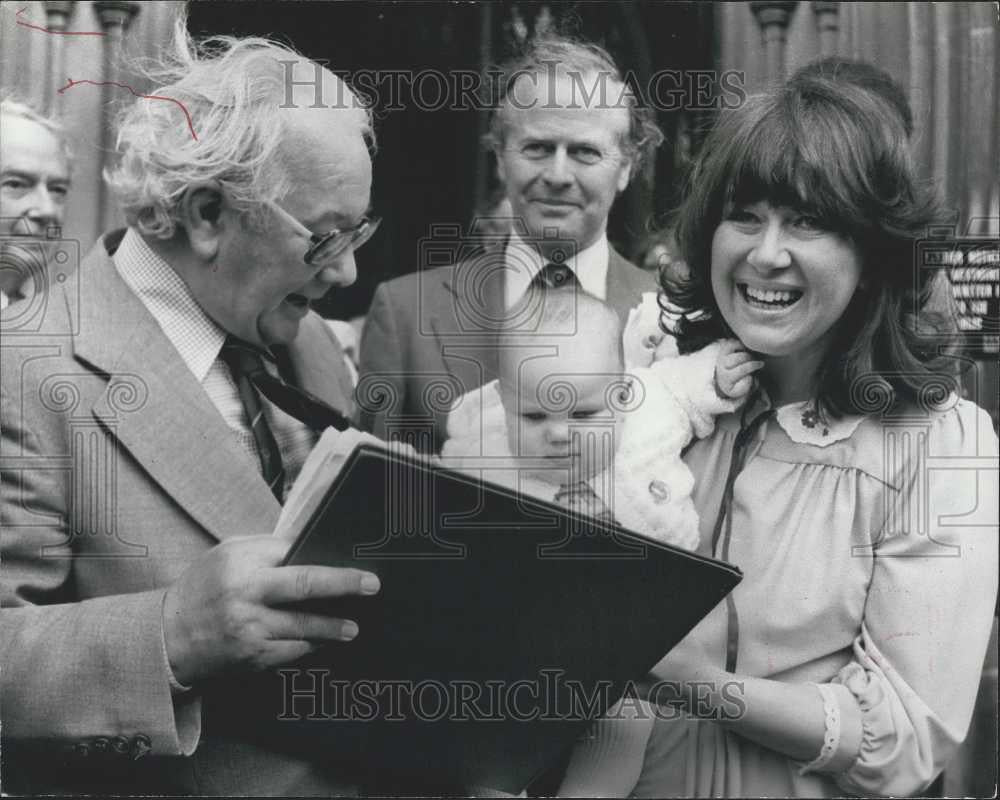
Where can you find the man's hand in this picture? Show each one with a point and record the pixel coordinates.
(734, 370)
(223, 613)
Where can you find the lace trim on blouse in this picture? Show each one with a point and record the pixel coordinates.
(805, 425)
(831, 736)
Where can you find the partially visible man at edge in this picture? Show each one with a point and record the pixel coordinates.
(34, 182)
(569, 136)
(141, 586)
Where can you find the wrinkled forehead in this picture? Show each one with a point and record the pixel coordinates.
(28, 146)
(561, 97)
(321, 143)
(324, 153)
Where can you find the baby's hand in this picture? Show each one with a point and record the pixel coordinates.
(734, 370)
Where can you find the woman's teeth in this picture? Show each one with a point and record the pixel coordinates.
(778, 298)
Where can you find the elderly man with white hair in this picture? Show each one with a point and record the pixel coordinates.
(34, 182)
(146, 448)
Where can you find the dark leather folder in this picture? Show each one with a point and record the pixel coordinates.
(503, 625)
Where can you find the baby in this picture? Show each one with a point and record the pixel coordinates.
(595, 420)
(571, 407)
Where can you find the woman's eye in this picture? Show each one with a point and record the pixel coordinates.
(583, 414)
(533, 416)
(809, 222)
(741, 215)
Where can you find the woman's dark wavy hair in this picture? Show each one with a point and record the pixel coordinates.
(838, 151)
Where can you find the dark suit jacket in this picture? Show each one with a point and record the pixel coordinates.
(430, 336)
(117, 473)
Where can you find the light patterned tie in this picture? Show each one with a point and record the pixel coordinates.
(581, 499)
(554, 276)
(244, 361)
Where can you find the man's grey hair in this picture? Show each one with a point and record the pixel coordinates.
(563, 55)
(233, 90)
(12, 107)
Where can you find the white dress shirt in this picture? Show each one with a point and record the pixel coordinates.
(524, 262)
(198, 340)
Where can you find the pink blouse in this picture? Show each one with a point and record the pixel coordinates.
(869, 549)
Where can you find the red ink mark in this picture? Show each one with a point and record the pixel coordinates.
(182, 107)
(56, 33)
(892, 636)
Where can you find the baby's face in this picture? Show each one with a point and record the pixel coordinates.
(569, 419)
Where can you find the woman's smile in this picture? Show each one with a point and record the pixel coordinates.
(768, 299)
(781, 280)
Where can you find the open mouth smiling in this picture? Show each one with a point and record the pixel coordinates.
(297, 300)
(769, 299)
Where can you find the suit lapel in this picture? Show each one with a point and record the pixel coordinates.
(317, 364)
(468, 315)
(154, 406)
(625, 284)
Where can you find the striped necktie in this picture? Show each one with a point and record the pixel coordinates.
(306, 407)
(580, 498)
(243, 362)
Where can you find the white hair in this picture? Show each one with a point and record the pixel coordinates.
(9, 107)
(232, 90)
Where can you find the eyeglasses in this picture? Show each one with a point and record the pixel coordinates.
(325, 247)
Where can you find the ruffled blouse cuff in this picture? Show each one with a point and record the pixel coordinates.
(878, 737)
(843, 731)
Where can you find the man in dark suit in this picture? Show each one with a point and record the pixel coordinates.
(144, 455)
(568, 137)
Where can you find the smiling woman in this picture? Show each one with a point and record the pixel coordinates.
(812, 189)
(782, 283)
(856, 639)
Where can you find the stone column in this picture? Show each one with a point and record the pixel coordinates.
(828, 24)
(115, 17)
(773, 20)
(57, 16)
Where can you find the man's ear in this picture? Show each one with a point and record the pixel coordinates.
(501, 169)
(200, 211)
(624, 175)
